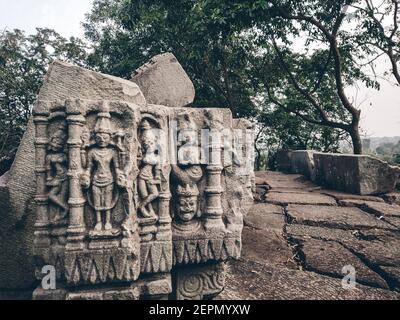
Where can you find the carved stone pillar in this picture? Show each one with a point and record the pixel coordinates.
(164, 228)
(214, 190)
(76, 230)
(40, 118)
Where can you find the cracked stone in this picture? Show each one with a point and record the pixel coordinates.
(265, 216)
(250, 280)
(347, 196)
(300, 198)
(329, 258)
(266, 246)
(392, 198)
(335, 217)
(379, 209)
(394, 274)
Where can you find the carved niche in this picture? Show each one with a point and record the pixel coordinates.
(86, 186)
(200, 230)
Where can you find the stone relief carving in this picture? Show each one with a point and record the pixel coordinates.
(186, 174)
(57, 167)
(149, 179)
(200, 282)
(134, 218)
(102, 175)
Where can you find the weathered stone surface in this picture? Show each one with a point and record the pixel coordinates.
(267, 246)
(283, 160)
(357, 174)
(348, 196)
(63, 81)
(377, 208)
(393, 273)
(163, 81)
(300, 198)
(265, 216)
(392, 197)
(304, 232)
(249, 280)
(335, 217)
(199, 282)
(289, 182)
(329, 258)
(106, 172)
(302, 162)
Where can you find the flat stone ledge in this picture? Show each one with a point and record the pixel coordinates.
(300, 198)
(379, 209)
(330, 257)
(335, 217)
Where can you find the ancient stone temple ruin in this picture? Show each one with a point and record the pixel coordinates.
(134, 199)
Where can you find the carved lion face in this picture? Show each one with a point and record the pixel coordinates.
(103, 139)
(187, 208)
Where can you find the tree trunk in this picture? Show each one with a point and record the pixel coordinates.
(356, 139)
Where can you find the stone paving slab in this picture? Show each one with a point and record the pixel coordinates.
(335, 217)
(379, 209)
(289, 184)
(301, 231)
(346, 196)
(394, 274)
(378, 247)
(265, 221)
(249, 280)
(297, 242)
(330, 257)
(392, 198)
(266, 246)
(300, 198)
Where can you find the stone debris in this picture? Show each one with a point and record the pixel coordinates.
(163, 81)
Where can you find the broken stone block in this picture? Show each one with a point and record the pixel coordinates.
(163, 81)
(363, 175)
(103, 204)
(284, 160)
(63, 81)
(302, 162)
(105, 189)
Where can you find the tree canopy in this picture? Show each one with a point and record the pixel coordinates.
(24, 60)
(286, 64)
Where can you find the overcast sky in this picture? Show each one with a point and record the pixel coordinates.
(381, 110)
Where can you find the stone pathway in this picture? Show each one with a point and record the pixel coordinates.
(298, 238)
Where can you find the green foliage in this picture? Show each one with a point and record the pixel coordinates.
(225, 47)
(23, 63)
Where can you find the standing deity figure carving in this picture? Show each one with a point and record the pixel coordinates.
(150, 172)
(56, 167)
(186, 174)
(103, 168)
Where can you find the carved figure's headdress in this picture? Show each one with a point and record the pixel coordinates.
(188, 191)
(103, 124)
(145, 125)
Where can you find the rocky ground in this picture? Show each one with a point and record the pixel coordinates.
(298, 238)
